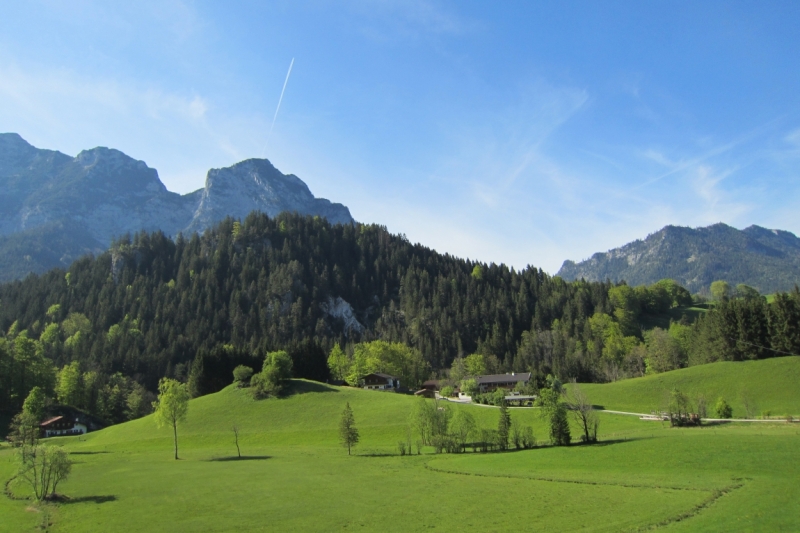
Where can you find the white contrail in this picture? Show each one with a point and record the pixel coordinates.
(264, 151)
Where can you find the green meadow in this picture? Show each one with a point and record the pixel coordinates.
(771, 384)
(294, 476)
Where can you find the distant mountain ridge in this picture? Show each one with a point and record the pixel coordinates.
(766, 259)
(55, 208)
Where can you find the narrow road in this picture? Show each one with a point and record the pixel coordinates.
(704, 419)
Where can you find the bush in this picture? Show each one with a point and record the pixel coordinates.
(242, 375)
(498, 397)
(447, 391)
(528, 440)
(276, 370)
(401, 447)
(722, 409)
(470, 387)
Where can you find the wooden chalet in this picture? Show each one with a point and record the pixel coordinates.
(381, 381)
(61, 425)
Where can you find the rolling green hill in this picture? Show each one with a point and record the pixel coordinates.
(295, 477)
(772, 384)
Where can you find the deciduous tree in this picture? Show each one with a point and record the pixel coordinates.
(43, 468)
(583, 412)
(172, 406)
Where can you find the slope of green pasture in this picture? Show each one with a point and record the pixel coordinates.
(295, 476)
(755, 468)
(771, 383)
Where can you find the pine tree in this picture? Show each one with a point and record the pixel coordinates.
(503, 427)
(347, 429)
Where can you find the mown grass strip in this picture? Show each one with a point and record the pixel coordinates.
(562, 480)
(694, 511)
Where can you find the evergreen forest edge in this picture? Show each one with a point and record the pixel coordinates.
(194, 308)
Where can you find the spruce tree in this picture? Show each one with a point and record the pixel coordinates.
(503, 427)
(347, 429)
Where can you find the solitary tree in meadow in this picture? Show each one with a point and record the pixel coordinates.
(347, 429)
(171, 406)
(584, 413)
(503, 427)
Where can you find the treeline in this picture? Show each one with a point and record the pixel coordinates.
(200, 306)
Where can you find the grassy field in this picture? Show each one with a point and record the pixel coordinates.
(295, 476)
(772, 384)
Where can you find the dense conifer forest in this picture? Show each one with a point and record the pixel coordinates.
(194, 308)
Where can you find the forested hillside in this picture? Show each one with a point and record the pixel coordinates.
(153, 307)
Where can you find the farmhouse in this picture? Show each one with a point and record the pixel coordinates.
(502, 381)
(381, 381)
(60, 425)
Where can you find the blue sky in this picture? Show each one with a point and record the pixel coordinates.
(516, 132)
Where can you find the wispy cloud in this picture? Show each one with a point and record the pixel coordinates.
(716, 202)
(176, 133)
(390, 20)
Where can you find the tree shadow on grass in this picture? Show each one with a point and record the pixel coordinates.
(87, 453)
(242, 458)
(88, 499)
(610, 442)
(297, 386)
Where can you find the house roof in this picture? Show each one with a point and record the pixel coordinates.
(503, 378)
(434, 382)
(50, 421)
(382, 375)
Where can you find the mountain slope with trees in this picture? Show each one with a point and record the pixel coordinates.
(101, 335)
(768, 260)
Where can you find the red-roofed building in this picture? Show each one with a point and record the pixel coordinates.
(61, 425)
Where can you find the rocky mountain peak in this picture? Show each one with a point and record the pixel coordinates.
(73, 205)
(255, 184)
(766, 259)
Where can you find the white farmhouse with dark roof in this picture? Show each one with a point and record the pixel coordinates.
(502, 381)
(381, 381)
(62, 425)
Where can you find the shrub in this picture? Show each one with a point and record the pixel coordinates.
(401, 447)
(722, 409)
(528, 440)
(242, 374)
(276, 370)
(498, 397)
(447, 391)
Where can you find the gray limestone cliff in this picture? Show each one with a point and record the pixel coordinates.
(766, 259)
(54, 208)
